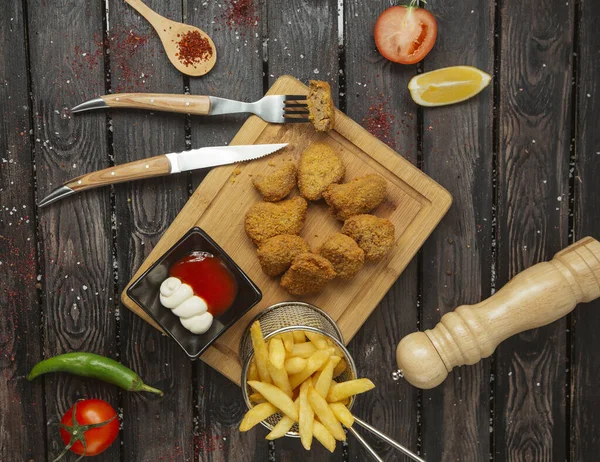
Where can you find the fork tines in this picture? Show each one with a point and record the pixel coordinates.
(295, 112)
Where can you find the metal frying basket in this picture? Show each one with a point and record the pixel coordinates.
(290, 316)
(287, 317)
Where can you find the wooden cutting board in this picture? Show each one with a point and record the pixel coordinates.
(415, 204)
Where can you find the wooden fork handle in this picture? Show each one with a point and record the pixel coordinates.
(187, 104)
(140, 169)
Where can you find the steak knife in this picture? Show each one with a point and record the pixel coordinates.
(165, 164)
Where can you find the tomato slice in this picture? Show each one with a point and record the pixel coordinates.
(405, 34)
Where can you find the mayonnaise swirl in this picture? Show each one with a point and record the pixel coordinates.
(191, 309)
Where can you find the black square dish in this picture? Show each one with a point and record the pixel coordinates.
(145, 291)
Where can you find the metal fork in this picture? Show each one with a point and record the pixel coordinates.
(276, 109)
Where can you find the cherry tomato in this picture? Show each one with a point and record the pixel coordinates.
(405, 34)
(90, 412)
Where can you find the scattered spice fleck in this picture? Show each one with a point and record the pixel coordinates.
(240, 13)
(379, 121)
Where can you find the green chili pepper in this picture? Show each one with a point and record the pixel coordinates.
(94, 366)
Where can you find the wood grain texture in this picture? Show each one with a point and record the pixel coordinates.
(458, 153)
(532, 215)
(585, 367)
(186, 104)
(75, 249)
(303, 41)
(414, 203)
(21, 402)
(237, 75)
(155, 428)
(371, 92)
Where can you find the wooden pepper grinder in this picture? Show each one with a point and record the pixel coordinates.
(533, 298)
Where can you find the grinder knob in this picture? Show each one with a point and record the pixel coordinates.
(533, 298)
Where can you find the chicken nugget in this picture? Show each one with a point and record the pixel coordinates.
(308, 274)
(268, 219)
(372, 234)
(276, 254)
(361, 195)
(319, 167)
(321, 111)
(278, 184)
(344, 254)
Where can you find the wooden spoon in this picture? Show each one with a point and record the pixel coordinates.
(170, 33)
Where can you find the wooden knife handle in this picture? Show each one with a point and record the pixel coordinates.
(187, 104)
(145, 168)
(535, 297)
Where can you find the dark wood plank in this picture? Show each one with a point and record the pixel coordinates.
(533, 186)
(75, 233)
(155, 428)
(585, 367)
(374, 95)
(22, 415)
(237, 75)
(302, 41)
(458, 153)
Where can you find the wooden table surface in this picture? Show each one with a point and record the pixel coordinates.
(522, 161)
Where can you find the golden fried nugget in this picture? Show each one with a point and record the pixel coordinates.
(320, 105)
(319, 167)
(344, 254)
(278, 184)
(372, 234)
(277, 253)
(361, 195)
(268, 219)
(308, 274)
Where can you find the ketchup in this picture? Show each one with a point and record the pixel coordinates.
(209, 278)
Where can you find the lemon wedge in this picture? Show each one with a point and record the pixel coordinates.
(448, 85)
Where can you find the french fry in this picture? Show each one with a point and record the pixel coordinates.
(260, 352)
(340, 368)
(288, 341)
(338, 350)
(325, 414)
(314, 363)
(256, 415)
(323, 436)
(253, 371)
(275, 366)
(319, 341)
(323, 383)
(257, 398)
(342, 413)
(316, 375)
(276, 353)
(282, 427)
(306, 416)
(277, 398)
(299, 336)
(340, 391)
(303, 350)
(295, 365)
